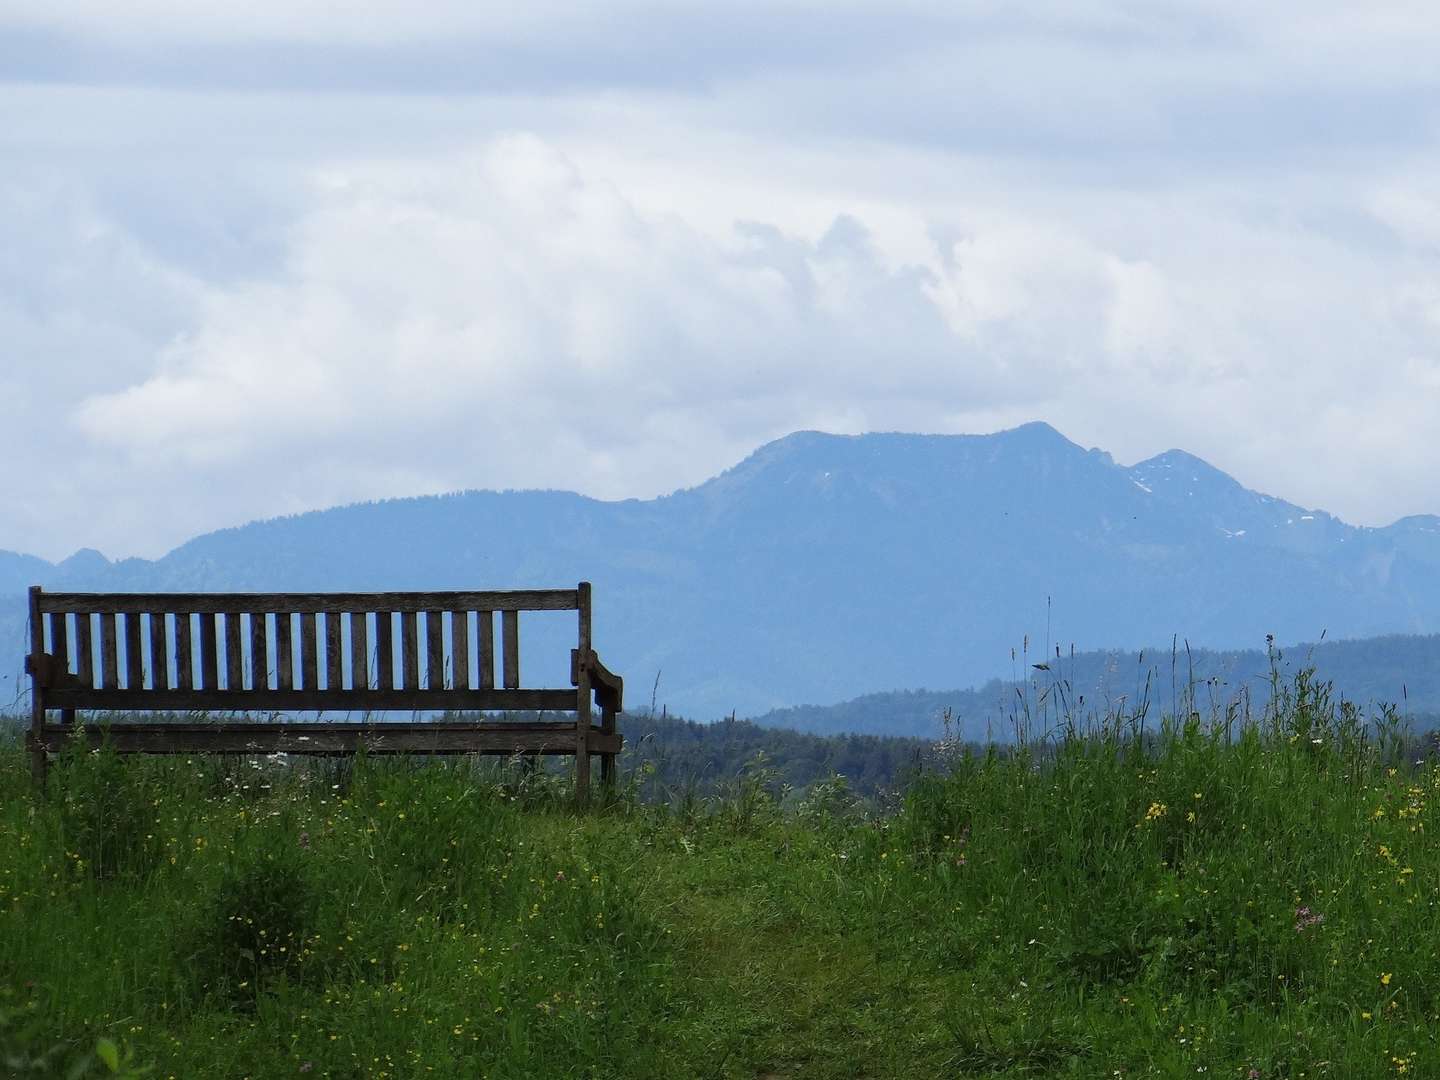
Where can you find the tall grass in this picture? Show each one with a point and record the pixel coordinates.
(1229, 892)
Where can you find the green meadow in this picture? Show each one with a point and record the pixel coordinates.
(1246, 896)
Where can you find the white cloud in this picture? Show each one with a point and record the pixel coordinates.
(1210, 226)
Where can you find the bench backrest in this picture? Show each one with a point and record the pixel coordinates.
(295, 651)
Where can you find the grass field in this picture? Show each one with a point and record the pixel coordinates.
(1236, 897)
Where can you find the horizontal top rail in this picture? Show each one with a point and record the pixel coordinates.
(307, 602)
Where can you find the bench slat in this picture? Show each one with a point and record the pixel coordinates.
(359, 652)
(234, 677)
(59, 639)
(259, 664)
(84, 651)
(486, 621)
(309, 657)
(184, 668)
(410, 649)
(159, 654)
(284, 652)
(332, 650)
(434, 651)
(510, 628)
(419, 738)
(384, 653)
(236, 603)
(460, 649)
(108, 665)
(134, 662)
(209, 660)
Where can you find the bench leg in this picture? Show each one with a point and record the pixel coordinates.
(39, 764)
(582, 769)
(607, 761)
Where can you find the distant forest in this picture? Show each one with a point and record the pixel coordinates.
(1399, 670)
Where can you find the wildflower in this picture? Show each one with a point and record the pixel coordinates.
(1157, 810)
(1305, 918)
(1385, 978)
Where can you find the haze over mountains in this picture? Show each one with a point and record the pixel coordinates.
(824, 567)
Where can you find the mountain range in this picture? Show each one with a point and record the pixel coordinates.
(824, 567)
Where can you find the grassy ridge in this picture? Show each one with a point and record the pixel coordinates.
(1248, 898)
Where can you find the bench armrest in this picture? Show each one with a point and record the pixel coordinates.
(48, 672)
(609, 688)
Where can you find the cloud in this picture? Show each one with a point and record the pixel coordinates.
(503, 320)
(228, 295)
(506, 319)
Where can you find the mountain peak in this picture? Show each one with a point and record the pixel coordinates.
(1174, 470)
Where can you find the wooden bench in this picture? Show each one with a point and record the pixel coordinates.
(312, 652)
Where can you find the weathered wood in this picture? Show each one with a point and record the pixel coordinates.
(159, 654)
(38, 761)
(434, 650)
(485, 622)
(549, 700)
(311, 738)
(309, 658)
(384, 652)
(332, 651)
(510, 629)
(134, 661)
(219, 684)
(460, 649)
(109, 673)
(609, 688)
(209, 660)
(84, 651)
(359, 652)
(184, 665)
(410, 649)
(284, 652)
(234, 653)
(514, 600)
(259, 650)
(582, 700)
(59, 639)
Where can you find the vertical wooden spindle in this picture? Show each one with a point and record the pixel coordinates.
(284, 652)
(259, 653)
(410, 648)
(359, 651)
(309, 658)
(332, 650)
(384, 653)
(84, 651)
(510, 627)
(60, 639)
(434, 650)
(159, 654)
(485, 623)
(134, 662)
(184, 663)
(109, 671)
(460, 650)
(209, 658)
(234, 653)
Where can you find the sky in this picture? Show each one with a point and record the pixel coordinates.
(269, 257)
